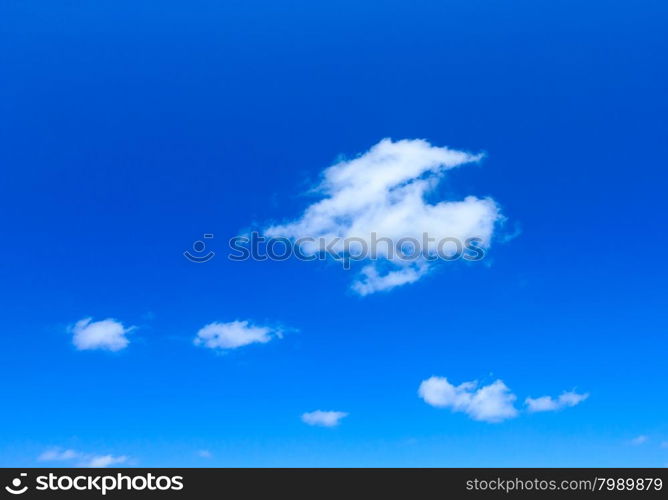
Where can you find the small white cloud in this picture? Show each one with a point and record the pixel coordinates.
(323, 418)
(383, 193)
(108, 334)
(204, 454)
(547, 403)
(371, 281)
(489, 403)
(102, 461)
(83, 459)
(664, 444)
(55, 455)
(638, 440)
(234, 334)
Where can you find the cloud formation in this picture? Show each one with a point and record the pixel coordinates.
(225, 336)
(383, 191)
(107, 334)
(547, 403)
(81, 459)
(323, 418)
(488, 403)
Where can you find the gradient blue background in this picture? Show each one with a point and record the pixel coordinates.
(130, 128)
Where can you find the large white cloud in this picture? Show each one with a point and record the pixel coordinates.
(107, 334)
(548, 403)
(489, 403)
(234, 334)
(323, 418)
(382, 192)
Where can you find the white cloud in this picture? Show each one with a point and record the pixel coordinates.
(204, 454)
(108, 334)
(234, 334)
(82, 459)
(56, 455)
(489, 403)
(383, 191)
(371, 281)
(102, 461)
(323, 418)
(547, 403)
(638, 440)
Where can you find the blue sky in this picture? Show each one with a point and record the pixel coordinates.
(130, 129)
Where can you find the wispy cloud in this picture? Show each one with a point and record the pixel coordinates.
(107, 334)
(547, 403)
(204, 454)
(80, 459)
(57, 455)
(102, 461)
(383, 192)
(371, 281)
(225, 336)
(638, 440)
(323, 418)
